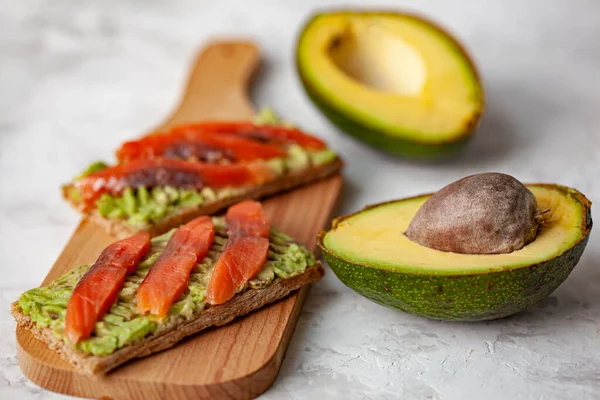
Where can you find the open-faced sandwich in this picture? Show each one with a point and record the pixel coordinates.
(143, 295)
(166, 179)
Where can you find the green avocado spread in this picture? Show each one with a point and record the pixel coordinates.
(123, 325)
(142, 205)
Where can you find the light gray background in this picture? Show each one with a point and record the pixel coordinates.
(78, 77)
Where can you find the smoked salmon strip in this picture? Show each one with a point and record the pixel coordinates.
(169, 172)
(262, 133)
(99, 287)
(245, 252)
(198, 145)
(169, 275)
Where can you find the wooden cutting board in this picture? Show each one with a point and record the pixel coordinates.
(237, 361)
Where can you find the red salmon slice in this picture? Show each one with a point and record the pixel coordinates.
(245, 252)
(198, 145)
(168, 172)
(99, 287)
(262, 133)
(247, 218)
(168, 277)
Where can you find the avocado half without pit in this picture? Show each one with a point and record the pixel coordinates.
(392, 80)
(482, 248)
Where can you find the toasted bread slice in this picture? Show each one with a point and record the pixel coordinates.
(241, 304)
(120, 229)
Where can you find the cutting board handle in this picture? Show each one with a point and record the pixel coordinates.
(217, 87)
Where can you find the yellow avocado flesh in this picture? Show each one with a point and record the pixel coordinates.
(375, 237)
(393, 73)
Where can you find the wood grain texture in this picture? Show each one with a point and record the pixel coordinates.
(237, 361)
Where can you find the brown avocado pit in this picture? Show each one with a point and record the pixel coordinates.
(490, 213)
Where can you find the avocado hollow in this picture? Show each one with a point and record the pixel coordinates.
(396, 81)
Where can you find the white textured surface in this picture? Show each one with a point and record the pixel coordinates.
(76, 78)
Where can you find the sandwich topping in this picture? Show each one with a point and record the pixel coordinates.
(98, 289)
(169, 275)
(141, 306)
(167, 172)
(192, 142)
(192, 164)
(245, 253)
(272, 133)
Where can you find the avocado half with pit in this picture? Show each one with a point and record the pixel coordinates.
(371, 254)
(395, 81)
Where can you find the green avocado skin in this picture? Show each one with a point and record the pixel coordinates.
(388, 143)
(459, 297)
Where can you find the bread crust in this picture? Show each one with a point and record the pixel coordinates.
(222, 314)
(119, 229)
